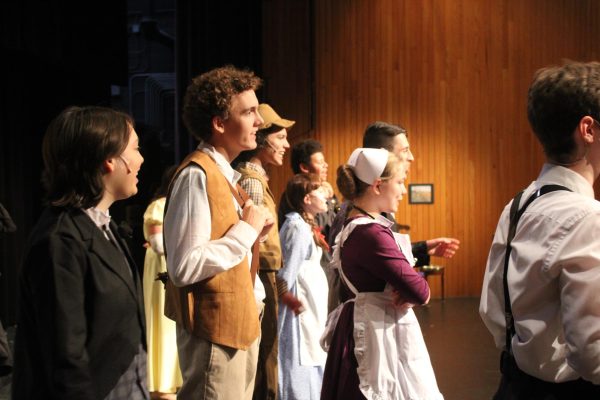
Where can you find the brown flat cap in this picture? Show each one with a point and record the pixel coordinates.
(272, 118)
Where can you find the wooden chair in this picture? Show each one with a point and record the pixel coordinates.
(434, 270)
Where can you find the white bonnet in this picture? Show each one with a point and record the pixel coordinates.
(368, 164)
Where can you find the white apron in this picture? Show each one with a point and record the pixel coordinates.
(312, 291)
(393, 362)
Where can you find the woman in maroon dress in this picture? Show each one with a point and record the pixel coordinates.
(376, 333)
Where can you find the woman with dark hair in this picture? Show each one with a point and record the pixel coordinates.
(80, 324)
(376, 348)
(301, 359)
(164, 376)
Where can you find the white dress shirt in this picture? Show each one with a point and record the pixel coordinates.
(100, 218)
(553, 280)
(191, 255)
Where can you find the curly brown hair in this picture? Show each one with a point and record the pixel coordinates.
(301, 153)
(209, 95)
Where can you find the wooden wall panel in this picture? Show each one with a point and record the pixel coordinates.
(455, 74)
(288, 72)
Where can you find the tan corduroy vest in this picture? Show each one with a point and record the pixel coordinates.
(221, 309)
(270, 249)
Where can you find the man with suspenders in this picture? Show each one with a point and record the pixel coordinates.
(540, 297)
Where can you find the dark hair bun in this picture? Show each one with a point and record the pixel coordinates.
(347, 182)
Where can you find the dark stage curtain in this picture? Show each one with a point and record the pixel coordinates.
(211, 34)
(55, 54)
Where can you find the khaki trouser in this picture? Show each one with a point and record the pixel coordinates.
(211, 371)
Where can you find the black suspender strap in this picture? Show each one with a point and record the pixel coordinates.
(515, 215)
(510, 326)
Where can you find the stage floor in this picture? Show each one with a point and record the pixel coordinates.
(464, 358)
(462, 351)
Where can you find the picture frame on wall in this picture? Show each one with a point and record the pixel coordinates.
(420, 193)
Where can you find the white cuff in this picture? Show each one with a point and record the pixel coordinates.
(244, 233)
(156, 243)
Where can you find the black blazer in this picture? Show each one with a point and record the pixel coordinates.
(81, 318)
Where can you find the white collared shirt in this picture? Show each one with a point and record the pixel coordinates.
(553, 280)
(191, 255)
(100, 218)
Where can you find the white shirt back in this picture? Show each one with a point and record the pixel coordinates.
(553, 279)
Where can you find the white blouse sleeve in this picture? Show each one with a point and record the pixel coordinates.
(191, 255)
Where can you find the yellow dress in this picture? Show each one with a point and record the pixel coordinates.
(163, 364)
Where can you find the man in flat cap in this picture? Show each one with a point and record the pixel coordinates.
(272, 143)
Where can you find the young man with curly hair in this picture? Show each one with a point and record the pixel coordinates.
(210, 227)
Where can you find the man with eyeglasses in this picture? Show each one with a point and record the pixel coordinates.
(394, 139)
(540, 291)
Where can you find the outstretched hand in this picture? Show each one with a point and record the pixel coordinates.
(443, 247)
